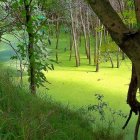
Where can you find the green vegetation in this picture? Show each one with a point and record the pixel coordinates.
(69, 64)
(75, 87)
(72, 87)
(24, 117)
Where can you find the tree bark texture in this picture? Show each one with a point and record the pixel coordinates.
(29, 26)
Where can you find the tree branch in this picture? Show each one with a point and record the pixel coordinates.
(109, 18)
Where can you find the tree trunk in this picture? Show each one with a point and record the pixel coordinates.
(88, 37)
(100, 36)
(80, 39)
(71, 45)
(131, 97)
(57, 39)
(118, 60)
(110, 58)
(95, 47)
(74, 37)
(85, 33)
(31, 57)
(97, 52)
(123, 56)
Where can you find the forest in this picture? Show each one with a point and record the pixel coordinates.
(69, 69)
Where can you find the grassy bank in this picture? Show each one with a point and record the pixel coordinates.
(27, 117)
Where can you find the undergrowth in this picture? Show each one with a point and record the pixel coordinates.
(106, 123)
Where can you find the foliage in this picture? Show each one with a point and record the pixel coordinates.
(107, 118)
(38, 27)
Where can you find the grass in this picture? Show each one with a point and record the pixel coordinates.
(24, 117)
(27, 117)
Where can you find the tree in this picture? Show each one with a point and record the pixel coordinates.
(31, 36)
(28, 25)
(37, 54)
(74, 22)
(54, 11)
(129, 42)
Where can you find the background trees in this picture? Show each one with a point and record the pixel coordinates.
(51, 19)
(41, 20)
(128, 41)
(37, 24)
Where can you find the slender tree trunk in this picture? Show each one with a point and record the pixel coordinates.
(118, 60)
(98, 53)
(100, 36)
(80, 39)
(123, 56)
(107, 50)
(57, 38)
(31, 69)
(88, 37)
(110, 58)
(95, 47)
(74, 36)
(71, 45)
(85, 34)
(77, 32)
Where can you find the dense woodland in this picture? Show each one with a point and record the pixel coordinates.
(54, 35)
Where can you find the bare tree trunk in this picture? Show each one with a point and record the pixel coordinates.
(110, 58)
(100, 36)
(74, 36)
(71, 45)
(123, 56)
(77, 31)
(88, 37)
(85, 34)
(57, 38)
(95, 47)
(118, 60)
(98, 53)
(80, 39)
(107, 50)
